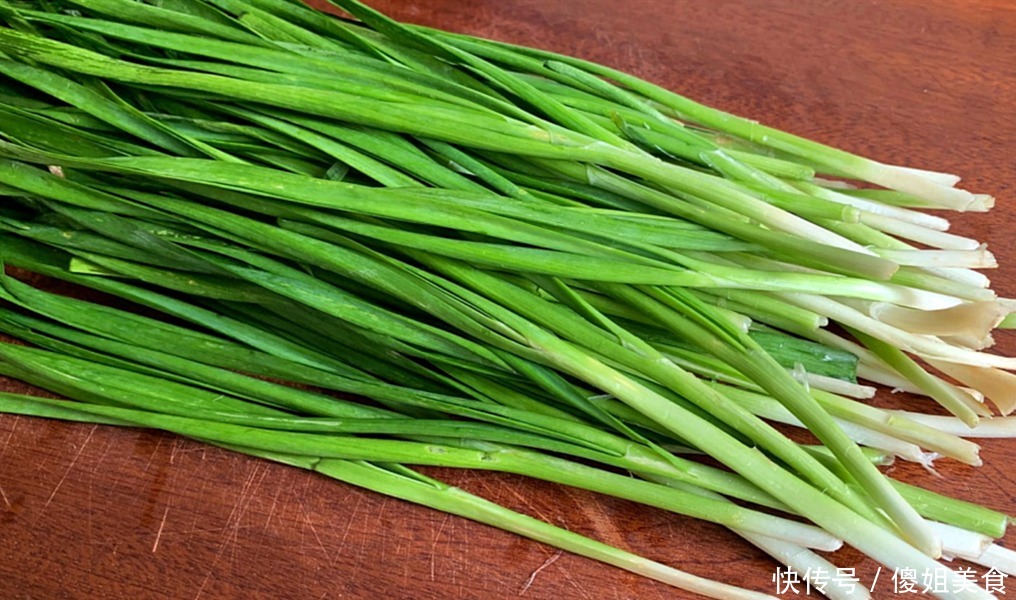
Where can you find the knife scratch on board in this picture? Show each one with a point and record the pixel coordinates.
(532, 576)
(10, 434)
(242, 504)
(70, 467)
(574, 583)
(433, 546)
(271, 511)
(174, 450)
(379, 528)
(310, 523)
(102, 458)
(352, 519)
(158, 534)
(527, 502)
(599, 519)
(158, 443)
(237, 512)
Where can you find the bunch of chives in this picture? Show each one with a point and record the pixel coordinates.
(459, 228)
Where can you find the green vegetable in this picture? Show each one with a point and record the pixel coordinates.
(524, 259)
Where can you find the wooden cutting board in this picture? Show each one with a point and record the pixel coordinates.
(98, 512)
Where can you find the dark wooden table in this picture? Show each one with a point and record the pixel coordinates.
(97, 512)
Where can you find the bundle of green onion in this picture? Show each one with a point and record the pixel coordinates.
(514, 260)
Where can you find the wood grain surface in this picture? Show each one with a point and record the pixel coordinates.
(98, 512)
